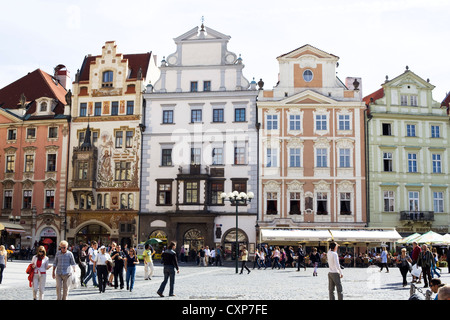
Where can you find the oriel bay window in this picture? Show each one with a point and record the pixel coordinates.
(123, 171)
(191, 192)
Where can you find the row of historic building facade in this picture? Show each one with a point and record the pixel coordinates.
(141, 148)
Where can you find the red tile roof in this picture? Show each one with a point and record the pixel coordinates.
(446, 103)
(375, 96)
(135, 62)
(34, 85)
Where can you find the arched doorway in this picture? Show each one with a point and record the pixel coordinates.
(193, 240)
(158, 247)
(229, 243)
(93, 232)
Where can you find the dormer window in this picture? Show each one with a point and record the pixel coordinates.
(43, 107)
(107, 79)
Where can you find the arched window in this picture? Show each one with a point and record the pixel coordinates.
(108, 77)
(123, 201)
(99, 201)
(43, 107)
(130, 200)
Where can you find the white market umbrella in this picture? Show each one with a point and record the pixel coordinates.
(430, 237)
(409, 239)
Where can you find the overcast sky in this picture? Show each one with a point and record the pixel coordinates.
(372, 38)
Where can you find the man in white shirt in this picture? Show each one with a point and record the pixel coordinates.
(335, 274)
(92, 253)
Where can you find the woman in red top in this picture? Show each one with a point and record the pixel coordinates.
(40, 265)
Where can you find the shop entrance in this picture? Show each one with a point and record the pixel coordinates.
(93, 232)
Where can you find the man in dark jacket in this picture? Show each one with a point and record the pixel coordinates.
(300, 258)
(169, 259)
(426, 261)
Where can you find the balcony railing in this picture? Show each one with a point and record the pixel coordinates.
(416, 215)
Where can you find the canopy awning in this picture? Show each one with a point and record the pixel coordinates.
(295, 235)
(314, 235)
(11, 227)
(366, 235)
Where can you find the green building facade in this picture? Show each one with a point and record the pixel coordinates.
(408, 152)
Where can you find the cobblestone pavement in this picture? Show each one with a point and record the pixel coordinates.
(222, 283)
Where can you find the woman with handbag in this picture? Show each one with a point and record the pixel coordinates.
(40, 266)
(404, 264)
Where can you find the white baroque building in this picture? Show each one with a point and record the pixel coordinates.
(200, 139)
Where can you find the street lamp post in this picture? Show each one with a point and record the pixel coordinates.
(237, 198)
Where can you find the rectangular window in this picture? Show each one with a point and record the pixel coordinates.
(83, 109)
(94, 137)
(294, 157)
(128, 139)
(412, 162)
(345, 203)
(344, 122)
(410, 130)
(83, 170)
(272, 122)
(321, 158)
(321, 122)
(191, 193)
(239, 186)
(272, 203)
(31, 133)
(387, 162)
(114, 108)
(168, 116)
(119, 139)
(123, 171)
(53, 132)
(272, 158)
(294, 122)
(80, 138)
(12, 134)
(413, 100)
(166, 157)
(10, 163)
(194, 86)
(438, 202)
(239, 155)
(217, 115)
(217, 156)
(294, 203)
(322, 207)
(389, 201)
(7, 204)
(216, 190)
(206, 85)
(344, 158)
(164, 193)
(27, 194)
(196, 115)
(239, 115)
(50, 199)
(29, 163)
(404, 100)
(413, 197)
(98, 109)
(51, 162)
(387, 129)
(435, 131)
(196, 155)
(130, 107)
(436, 159)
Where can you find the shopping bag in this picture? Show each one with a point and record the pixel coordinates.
(416, 270)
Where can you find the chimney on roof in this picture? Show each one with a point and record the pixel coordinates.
(62, 75)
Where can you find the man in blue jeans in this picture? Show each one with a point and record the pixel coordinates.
(169, 259)
(92, 253)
